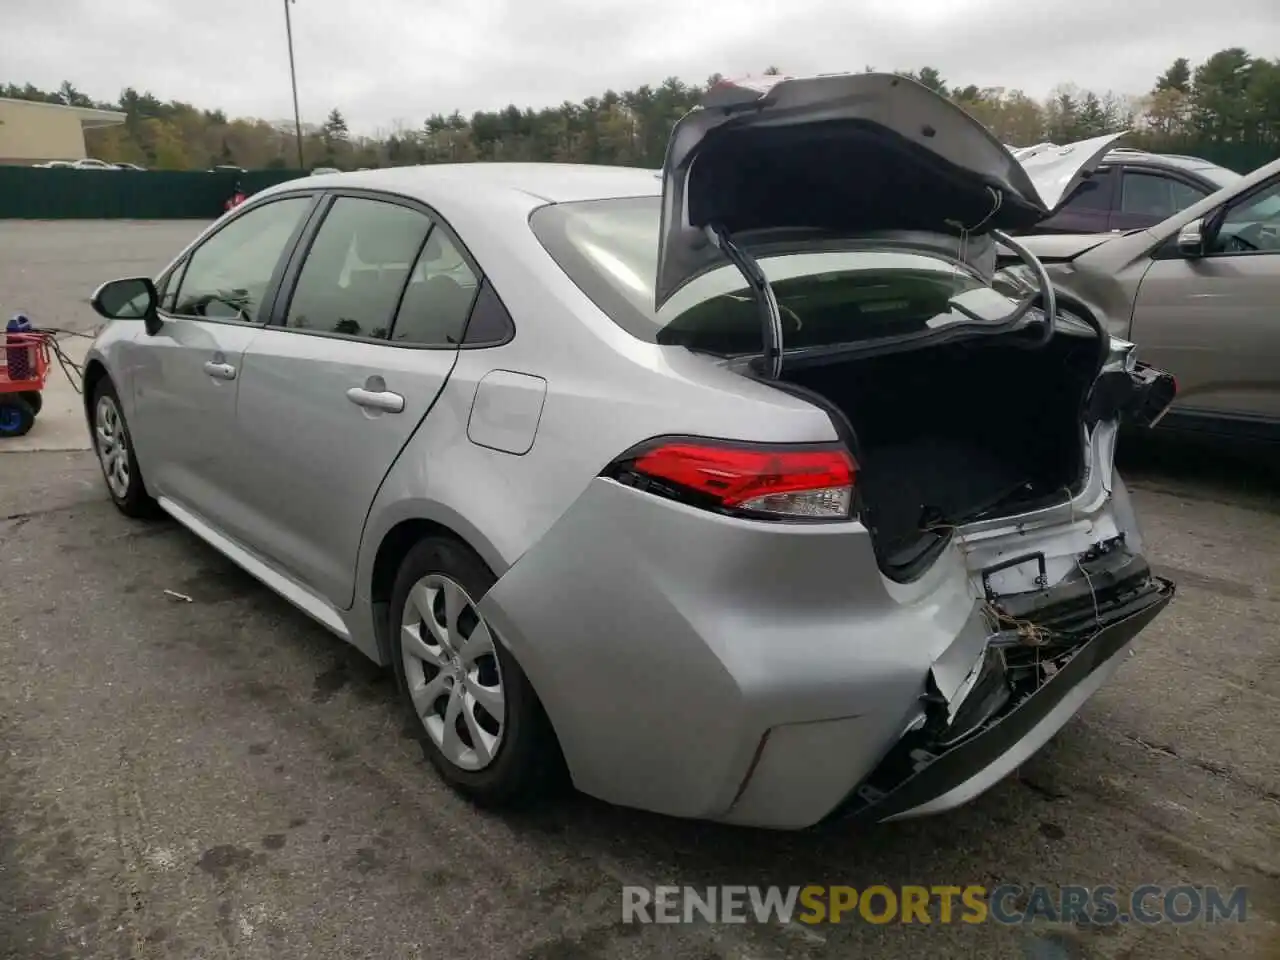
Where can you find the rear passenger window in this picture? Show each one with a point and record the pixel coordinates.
(438, 298)
(357, 268)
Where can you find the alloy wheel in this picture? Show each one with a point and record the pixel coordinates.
(113, 445)
(452, 670)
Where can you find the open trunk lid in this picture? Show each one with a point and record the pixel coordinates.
(776, 165)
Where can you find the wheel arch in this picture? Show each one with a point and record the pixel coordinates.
(395, 542)
(94, 373)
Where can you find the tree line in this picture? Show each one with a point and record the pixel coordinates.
(1225, 109)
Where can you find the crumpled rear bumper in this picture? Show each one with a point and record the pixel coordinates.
(938, 781)
(705, 666)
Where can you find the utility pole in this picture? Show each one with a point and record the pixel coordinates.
(293, 77)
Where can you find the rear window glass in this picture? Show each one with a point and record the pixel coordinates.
(609, 248)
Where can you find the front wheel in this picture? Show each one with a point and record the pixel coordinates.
(114, 447)
(474, 712)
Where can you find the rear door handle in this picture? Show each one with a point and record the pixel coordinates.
(383, 400)
(222, 371)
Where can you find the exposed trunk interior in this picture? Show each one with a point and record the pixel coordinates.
(956, 432)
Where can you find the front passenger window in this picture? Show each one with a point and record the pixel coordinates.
(227, 276)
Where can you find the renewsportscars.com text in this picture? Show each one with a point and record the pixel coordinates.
(1006, 904)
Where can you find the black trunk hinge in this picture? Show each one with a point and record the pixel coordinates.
(766, 302)
(1048, 297)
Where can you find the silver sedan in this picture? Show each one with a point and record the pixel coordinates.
(734, 491)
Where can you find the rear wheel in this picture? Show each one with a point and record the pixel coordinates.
(474, 712)
(35, 400)
(114, 447)
(16, 416)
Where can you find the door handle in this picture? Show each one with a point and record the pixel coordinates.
(383, 400)
(222, 371)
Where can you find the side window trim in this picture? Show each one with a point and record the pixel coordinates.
(293, 263)
(408, 279)
(168, 283)
(302, 248)
(277, 273)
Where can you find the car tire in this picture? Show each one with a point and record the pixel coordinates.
(439, 672)
(16, 416)
(35, 400)
(113, 445)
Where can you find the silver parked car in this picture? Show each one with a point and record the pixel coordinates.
(1197, 293)
(733, 492)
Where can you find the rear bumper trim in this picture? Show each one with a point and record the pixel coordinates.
(981, 760)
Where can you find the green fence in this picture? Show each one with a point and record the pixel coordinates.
(1240, 157)
(41, 193)
(58, 193)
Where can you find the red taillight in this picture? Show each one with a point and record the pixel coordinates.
(814, 482)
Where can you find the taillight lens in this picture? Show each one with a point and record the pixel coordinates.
(809, 482)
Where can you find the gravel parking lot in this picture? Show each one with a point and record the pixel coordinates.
(222, 778)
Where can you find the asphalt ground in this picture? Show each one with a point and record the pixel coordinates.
(219, 777)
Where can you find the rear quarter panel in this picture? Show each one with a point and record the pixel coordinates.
(606, 391)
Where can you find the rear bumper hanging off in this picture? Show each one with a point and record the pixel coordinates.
(917, 778)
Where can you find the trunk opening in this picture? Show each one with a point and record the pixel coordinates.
(948, 434)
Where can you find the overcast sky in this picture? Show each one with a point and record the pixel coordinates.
(383, 61)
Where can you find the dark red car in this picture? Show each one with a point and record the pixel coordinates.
(1133, 189)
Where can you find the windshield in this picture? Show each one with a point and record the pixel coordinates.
(836, 294)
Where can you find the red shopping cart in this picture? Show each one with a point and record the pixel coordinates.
(24, 368)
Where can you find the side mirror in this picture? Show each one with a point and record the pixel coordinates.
(1191, 239)
(134, 298)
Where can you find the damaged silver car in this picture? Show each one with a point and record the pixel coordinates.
(740, 493)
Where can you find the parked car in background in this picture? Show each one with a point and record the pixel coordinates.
(86, 164)
(737, 491)
(1134, 188)
(323, 171)
(130, 166)
(1200, 295)
(89, 163)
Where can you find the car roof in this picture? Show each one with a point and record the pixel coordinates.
(536, 183)
(1143, 158)
(487, 204)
